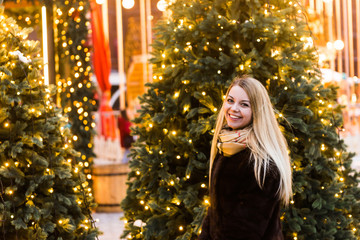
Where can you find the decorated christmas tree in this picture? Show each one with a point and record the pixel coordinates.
(43, 194)
(197, 51)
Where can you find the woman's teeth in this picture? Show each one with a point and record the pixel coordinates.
(232, 116)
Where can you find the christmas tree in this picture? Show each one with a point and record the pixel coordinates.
(197, 52)
(75, 87)
(43, 192)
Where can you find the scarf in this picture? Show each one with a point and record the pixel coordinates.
(231, 142)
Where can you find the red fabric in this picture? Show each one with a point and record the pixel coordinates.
(108, 121)
(101, 49)
(102, 66)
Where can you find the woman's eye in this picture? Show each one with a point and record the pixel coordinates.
(230, 100)
(245, 104)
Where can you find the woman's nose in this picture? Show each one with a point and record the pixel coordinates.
(235, 107)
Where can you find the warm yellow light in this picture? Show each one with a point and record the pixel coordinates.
(322, 147)
(128, 4)
(339, 45)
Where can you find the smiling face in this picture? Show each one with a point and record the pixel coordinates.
(237, 108)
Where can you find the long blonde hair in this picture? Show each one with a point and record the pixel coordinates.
(265, 139)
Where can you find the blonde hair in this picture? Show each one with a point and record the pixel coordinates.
(265, 139)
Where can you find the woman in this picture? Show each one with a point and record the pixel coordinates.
(249, 168)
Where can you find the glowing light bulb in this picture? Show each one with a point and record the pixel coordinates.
(161, 5)
(339, 45)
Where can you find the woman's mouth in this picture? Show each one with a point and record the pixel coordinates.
(234, 117)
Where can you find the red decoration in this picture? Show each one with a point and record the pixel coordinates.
(102, 67)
